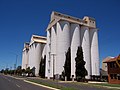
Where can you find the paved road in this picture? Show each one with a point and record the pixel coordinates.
(9, 83)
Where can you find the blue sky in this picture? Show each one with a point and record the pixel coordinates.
(19, 19)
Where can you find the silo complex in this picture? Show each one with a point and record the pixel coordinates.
(33, 55)
(66, 31)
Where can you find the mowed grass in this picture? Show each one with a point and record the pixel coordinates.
(107, 84)
(52, 85)
(61, 87)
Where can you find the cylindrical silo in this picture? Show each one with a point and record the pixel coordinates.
(94, 51)
(30, 55)
(37, 59)
(63, 43)
(75, 42)
(26, 59)
(86, 49)
(53, 49)
(23, 60)
(48, 46)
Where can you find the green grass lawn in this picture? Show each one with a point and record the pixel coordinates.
(107, 84)
(52, 85)
(58, 86)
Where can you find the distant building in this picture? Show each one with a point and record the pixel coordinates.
(103, 70)
(113, 66)
(25, 55)
(32, 55)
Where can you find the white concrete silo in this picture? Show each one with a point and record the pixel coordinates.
(94, 51)
(32, 56)
(23, 60)
(37, 57)
(63, 43)
(53, 50)
(75, 42)
(25, 54)
(35, 52)
(86, 49)
(26, 57)
(48, 46)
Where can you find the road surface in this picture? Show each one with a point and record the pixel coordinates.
(9, 83)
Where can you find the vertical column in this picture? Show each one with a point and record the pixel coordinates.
(75, 42)
(23, 60)
(37, 57)
(63, 43)
(48, 45)
(53, 50)
(86, 48)
(94, 51)
(30, 56)
(27, 61)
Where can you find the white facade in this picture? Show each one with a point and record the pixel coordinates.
(25, 56)
(65, 31)
(33, 56)
(75, 42)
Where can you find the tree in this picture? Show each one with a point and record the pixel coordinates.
(81, 72)
(19, 70)
(33, 71)
(42, 67)
(67, 65)
(2, 71)
(28, 71)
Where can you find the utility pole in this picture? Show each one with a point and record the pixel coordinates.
(16, 59)
(15, 65)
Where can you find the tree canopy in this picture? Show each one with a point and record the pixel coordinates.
(81, 71)
(67, 65)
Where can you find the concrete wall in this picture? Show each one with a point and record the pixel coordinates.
(75, 42)
(64, 35)
(86, 48)
(25, 58)
(94, 51)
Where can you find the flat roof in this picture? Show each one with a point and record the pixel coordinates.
(38, 39)
(56, 16)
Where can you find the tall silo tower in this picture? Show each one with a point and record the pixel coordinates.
(36, 46)
(65, 31)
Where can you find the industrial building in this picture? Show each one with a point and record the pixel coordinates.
(33, 52)
(65, 31)
(25, 55)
